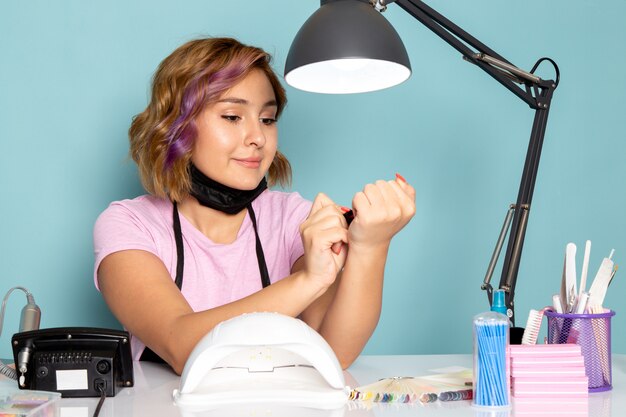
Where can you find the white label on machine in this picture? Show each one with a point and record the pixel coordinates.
(72, 379)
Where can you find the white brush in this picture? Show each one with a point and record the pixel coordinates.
(533, 326)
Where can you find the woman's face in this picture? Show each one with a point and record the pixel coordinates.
(237, 135)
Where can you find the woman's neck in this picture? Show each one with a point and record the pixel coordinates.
(216, 225)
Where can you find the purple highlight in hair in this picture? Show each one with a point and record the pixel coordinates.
(183, 130)
(200, 91)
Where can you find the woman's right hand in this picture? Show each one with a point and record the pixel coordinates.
(325, 237)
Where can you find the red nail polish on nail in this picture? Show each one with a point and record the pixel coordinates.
(344, 209)
(401, 178)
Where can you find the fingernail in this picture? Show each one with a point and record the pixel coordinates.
(344, 209)
(401, 178)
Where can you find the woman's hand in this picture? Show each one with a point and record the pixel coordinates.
(324, 235)
(381, 210)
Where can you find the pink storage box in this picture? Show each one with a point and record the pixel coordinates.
(550, 385)
(549, 407)
(548, 371)
(542, 361)
(545, 350)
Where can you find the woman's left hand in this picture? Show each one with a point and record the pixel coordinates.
(381, 210)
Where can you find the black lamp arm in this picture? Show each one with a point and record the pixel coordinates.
(472, 50)
(510, 266)
(535, 92)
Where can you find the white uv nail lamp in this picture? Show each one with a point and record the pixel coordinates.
(262, 358)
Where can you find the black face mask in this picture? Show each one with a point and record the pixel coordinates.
(218, 196)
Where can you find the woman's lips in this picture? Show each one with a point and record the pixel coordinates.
(249, 162)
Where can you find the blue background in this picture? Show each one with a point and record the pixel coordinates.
(73, 73)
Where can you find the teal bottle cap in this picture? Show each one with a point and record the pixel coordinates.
(498, 304)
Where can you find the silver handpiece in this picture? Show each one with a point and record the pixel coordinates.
(31, 315)
(30, 319)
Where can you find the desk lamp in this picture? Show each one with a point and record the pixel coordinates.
(347, 46)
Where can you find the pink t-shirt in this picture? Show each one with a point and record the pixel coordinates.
(214, 274)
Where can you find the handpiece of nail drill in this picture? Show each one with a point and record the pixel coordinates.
(30, 319)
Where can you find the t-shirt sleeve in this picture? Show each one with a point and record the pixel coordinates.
(117, 229)
(299, 211)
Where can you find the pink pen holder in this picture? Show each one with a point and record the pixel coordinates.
(592, 332)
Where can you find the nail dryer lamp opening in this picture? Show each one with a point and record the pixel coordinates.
(262, 358)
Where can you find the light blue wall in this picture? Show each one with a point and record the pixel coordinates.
(73, 73)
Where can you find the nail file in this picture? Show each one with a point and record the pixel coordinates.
(583, 273)
(556, 304)
(568, 282)
(597, 292)
(581, 303)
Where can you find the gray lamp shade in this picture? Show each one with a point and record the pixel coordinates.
(346, 46)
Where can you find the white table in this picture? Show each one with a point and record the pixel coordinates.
(152, 394)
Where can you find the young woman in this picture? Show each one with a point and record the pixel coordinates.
(208, 240)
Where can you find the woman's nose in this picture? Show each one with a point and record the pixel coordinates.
(255, 134)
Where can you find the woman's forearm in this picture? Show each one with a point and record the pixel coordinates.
(290, 296)
(355, 309)
(153, 309)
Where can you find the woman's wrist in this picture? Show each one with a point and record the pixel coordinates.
(369, 249)
(365, 261)
(312, 285)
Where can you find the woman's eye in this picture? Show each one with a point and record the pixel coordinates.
(268, 120)
(231, 117)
